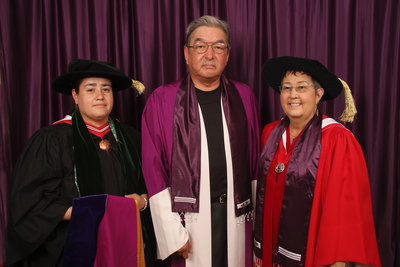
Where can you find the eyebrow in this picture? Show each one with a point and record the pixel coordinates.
(299, 82)
(93, 84)
(201, 39)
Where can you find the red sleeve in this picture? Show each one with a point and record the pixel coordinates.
(341, 224)
(266, 132)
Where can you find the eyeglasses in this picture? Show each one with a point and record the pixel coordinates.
(201, 47)
(302, 88)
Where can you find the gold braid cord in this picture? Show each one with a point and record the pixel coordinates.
(350, 110)
(138, 86)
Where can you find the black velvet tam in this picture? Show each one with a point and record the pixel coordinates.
(275, 69)
(84, 68)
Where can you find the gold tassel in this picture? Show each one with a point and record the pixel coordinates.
(138, 86)
(350, 110)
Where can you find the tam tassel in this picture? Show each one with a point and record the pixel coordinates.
(138, 86)
(350, 110)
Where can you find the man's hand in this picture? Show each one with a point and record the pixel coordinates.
(185, 250)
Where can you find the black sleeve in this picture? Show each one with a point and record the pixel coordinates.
(41, 190)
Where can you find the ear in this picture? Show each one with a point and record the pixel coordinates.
(320, 92)
(74, 96)
(227, 58)
(186, 53)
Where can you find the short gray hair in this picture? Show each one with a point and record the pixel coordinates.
(317, 85)
(209, 21)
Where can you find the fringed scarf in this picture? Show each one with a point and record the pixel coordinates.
(298, 194)
(186, 148)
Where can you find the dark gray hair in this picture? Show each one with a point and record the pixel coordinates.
(317, 85)
(209, 21)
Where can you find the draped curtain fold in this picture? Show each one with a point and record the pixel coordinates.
(357, 40)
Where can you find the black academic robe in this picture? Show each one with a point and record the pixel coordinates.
(42, 188)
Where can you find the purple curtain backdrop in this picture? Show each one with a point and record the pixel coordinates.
(358, 40)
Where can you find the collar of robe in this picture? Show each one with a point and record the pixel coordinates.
(99, 131)
(298, 194)
(186, 146)
(88, 170)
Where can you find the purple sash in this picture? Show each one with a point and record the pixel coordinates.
(104, 231)
(186, 148)
(298, 195)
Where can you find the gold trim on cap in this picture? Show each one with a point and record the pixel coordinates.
(138, 86)
(350, 110)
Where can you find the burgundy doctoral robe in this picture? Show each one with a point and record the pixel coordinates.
(157, 138)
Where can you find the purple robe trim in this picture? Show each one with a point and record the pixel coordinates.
(186, 148)
(185, 182)
(298, 194)
(235, 119)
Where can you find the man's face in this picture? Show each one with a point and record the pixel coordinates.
(207, 66)
(95, 100)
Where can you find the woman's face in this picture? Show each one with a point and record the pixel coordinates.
(299, 98)
(95, 100)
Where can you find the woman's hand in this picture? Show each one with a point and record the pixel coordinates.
(67, 214)
(140, 200)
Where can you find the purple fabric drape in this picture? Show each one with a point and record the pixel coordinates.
(357, 40)
(81, 241)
